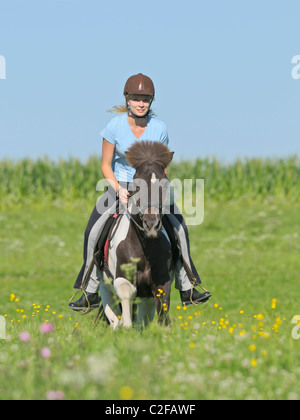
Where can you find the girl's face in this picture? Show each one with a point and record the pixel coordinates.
(139, 104)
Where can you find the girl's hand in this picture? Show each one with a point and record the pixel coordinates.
(123, 195)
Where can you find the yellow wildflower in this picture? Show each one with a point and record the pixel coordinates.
(126, 393)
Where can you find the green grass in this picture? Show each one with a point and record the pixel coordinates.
(237, 346)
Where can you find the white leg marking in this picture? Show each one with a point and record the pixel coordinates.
(126, 292)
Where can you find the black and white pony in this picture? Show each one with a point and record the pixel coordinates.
(141, 236)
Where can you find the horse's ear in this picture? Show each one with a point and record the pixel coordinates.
(131, 160)
(170, 157)
(127, 153)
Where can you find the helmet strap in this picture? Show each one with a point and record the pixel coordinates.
(138, 117)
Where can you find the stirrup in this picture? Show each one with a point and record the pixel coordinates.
(89, 309)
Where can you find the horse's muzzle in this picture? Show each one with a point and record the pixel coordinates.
(152, 223)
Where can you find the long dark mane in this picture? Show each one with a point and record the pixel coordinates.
(149, 152)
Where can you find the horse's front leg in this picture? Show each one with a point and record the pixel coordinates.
(126, 292)
(162, 301)
(111, 308)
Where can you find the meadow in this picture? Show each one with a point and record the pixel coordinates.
(238, 346)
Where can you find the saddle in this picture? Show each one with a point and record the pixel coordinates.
(101, 251)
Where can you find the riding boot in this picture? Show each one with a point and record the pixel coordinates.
(188, 293)
(82, 304)
(194, 297)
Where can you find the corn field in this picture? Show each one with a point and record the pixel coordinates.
(43, 180)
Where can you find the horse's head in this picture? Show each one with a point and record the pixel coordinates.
(150, 159)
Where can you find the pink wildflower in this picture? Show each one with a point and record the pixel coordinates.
(46, 328)
(24, 337)
(45, 353)
(55, 395)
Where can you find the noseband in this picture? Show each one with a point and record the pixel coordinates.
(142, 209)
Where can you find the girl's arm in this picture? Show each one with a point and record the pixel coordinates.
(106, 168)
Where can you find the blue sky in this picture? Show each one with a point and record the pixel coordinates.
(222, 71)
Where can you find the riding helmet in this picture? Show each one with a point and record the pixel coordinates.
(139, 84)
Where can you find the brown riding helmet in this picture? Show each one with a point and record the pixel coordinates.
(139, 84)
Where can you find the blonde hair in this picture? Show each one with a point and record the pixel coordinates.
(119, 109)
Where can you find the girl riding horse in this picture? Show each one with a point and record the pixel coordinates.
(136, 123)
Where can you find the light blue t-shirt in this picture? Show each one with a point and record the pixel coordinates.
(119, 133)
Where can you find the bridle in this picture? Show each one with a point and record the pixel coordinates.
(141, 211)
